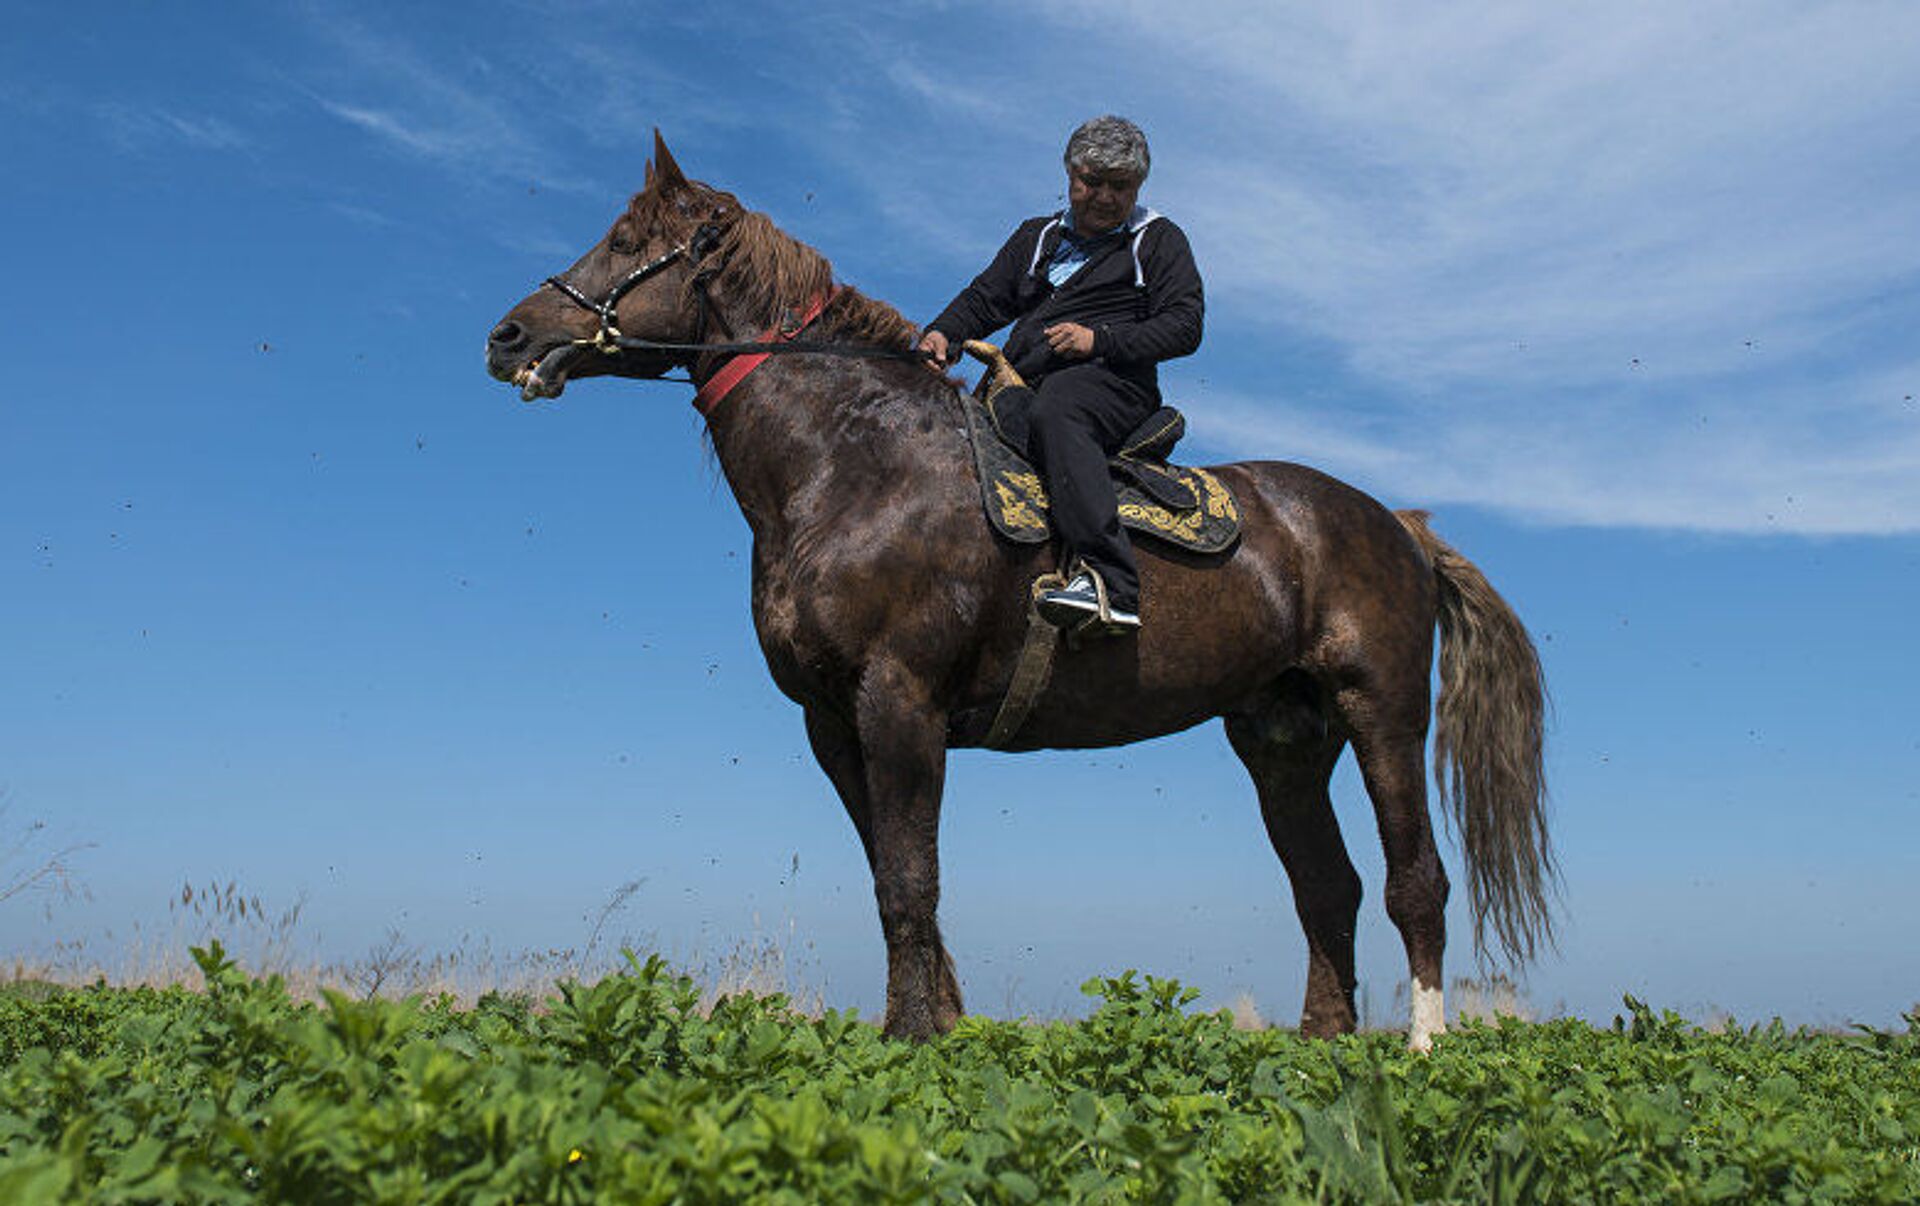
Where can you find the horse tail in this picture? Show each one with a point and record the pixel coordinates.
(1489, 724)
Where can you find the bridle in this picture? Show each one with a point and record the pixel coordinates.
(609, 340)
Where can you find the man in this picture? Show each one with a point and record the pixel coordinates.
(1098, 295)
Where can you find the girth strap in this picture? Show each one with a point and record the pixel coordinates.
(1031, 672)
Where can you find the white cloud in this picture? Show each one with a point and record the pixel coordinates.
(1570, 250)
(1574, 184)
(462, 116)
(1571, 467)
(141, 128)
(955, 99)
(360, 214)
(435, 144)
(1586, 263)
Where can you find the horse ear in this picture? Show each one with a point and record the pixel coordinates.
(648, 182)
(665, 169)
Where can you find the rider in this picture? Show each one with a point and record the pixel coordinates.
(1098, 294)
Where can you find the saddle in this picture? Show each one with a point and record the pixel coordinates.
(1184, 506)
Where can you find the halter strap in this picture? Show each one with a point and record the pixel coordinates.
(608, 337)
(735, 370)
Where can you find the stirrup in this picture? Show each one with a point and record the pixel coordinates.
(1082, 607)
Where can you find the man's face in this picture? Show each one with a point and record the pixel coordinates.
(1101, 199)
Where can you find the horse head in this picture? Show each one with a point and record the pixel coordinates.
(644, 281)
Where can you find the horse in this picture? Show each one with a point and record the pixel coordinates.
(892, 614)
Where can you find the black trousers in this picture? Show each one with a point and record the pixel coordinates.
(1073, 420)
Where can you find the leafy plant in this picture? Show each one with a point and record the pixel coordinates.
(628, 1090)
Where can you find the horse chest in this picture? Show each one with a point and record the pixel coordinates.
(798, 652)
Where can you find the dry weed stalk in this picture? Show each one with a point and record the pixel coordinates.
(267, 941)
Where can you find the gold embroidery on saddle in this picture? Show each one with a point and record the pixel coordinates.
(1185, 506)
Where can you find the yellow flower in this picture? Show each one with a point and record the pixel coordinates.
(575, 1156)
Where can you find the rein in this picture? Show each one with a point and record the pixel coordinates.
(609, 340)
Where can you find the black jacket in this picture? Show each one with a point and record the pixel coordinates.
(1139, 292)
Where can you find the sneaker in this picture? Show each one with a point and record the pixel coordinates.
(1078, 601)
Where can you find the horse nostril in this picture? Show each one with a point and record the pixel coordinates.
(507, 336)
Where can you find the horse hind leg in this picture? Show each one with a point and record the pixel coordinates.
(1389, 751)
(1290, 754)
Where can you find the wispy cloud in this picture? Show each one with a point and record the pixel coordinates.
(142, 129)
(1567, 467)
(462, 115)
(1581, 263)
(361, 214)
(1651, 185)
(435, 144)
(1647, 266)
(955, 99)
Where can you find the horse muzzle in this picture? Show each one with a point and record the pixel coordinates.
(538, 373)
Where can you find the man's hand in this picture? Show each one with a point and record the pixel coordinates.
(934, 343)
(1070, 339)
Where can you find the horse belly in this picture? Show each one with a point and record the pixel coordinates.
(1113, 691)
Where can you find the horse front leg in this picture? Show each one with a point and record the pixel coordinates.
(889, 767)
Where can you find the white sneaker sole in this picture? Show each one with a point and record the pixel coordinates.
(1064, 613)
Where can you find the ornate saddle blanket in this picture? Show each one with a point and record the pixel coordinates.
(1184, 506)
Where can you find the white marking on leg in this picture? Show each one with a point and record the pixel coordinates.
(1429, 1017)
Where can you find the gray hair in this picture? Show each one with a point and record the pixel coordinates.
(1109, 144)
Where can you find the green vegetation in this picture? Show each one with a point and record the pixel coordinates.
(625, 1091)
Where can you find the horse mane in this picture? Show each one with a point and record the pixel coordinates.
(769, 271)
(766, 271)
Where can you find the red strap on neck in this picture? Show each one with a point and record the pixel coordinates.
(734, 371)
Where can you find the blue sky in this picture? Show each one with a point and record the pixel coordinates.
(293, 594)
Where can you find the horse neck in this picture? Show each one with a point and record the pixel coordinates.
(768, 436)
(797, 421)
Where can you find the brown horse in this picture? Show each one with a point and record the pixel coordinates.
(893, 615)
